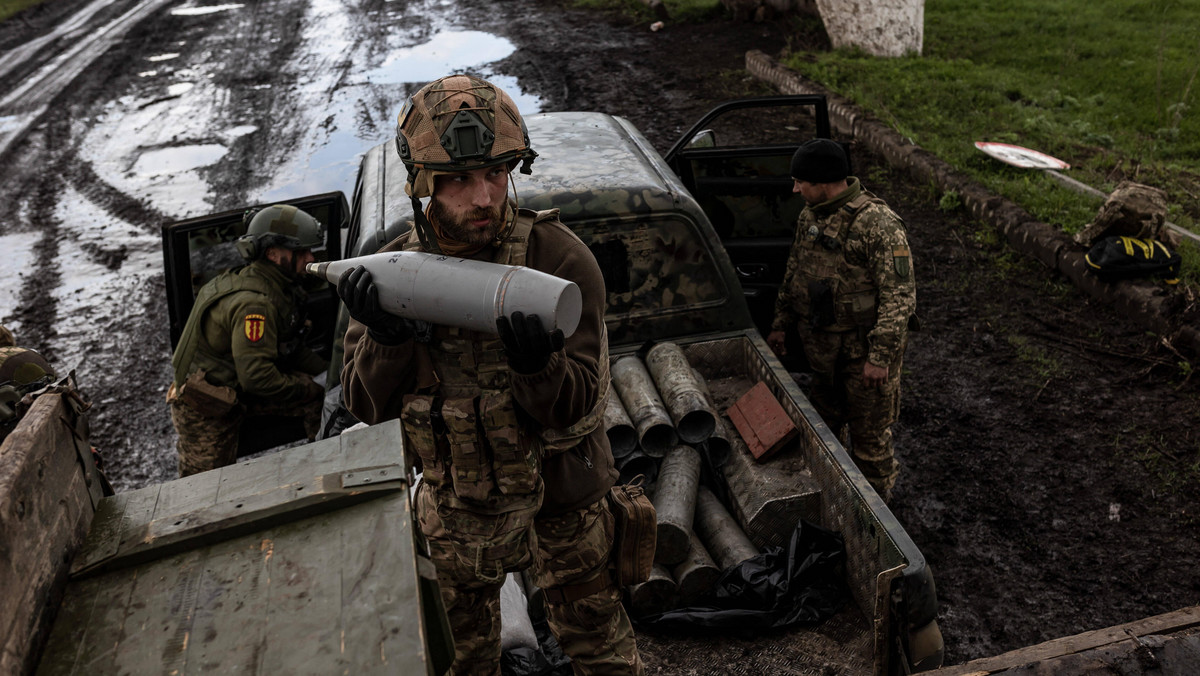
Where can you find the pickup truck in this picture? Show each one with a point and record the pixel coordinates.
(294, 561)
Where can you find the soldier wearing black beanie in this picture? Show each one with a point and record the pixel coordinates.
(820, 160)
(849, 296)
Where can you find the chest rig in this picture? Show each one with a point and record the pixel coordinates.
(479, 453)
(834, 282)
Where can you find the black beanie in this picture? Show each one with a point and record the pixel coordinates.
(820, 160)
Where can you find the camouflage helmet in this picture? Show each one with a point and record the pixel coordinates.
(22, 367)
(21, 371)
(458, 123)
(281, 225)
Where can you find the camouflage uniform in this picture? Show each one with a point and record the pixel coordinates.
(246, 341)
(850, 294)
(523, 488)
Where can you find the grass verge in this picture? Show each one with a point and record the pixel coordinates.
(10, 7)
(1109, 86)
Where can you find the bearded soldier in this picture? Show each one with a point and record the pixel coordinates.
(850, 295)
(241, 352)
(507, 427)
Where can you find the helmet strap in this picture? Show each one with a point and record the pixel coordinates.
(424, 229)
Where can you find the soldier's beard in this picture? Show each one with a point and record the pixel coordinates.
(460, 229)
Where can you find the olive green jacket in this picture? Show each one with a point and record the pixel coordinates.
(250, 338)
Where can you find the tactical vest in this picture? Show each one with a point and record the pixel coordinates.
(840, 296)
(481, 456)
(222, 285)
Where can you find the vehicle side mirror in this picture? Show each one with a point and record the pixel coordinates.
(705, 138)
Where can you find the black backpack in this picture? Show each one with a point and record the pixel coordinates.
(1116, 258)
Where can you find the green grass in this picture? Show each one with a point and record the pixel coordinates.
(1109, 86)
(11, 7)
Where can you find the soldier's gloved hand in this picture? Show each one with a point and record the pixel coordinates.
(361, 297)
(528, 344)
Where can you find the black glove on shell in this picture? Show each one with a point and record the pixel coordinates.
(361, 297)
(528, 344)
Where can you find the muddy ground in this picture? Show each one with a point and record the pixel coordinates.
(1050, 448)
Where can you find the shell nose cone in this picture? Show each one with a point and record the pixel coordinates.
(570, 307)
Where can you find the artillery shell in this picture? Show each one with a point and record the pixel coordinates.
(697, 574)
(637, 463)
(622, 436)
(656, 431)
(655, 595)
(685, 401)
(675, 503)
(516, 629)
(718, 446)
(720, 532)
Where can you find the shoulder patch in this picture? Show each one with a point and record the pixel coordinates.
(901, 258)
(255, 324)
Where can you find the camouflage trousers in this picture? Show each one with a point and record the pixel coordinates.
(208, 442)
(860, 416)
(573, 549)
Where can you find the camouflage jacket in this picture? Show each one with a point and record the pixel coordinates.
(376, 377)
(249, 339)
(850, 269)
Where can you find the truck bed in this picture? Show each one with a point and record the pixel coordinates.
(807, 479)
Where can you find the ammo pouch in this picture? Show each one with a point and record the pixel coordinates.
(821, 309)
(205, 398)
(636, 534)
(491, 542)
(488, 483)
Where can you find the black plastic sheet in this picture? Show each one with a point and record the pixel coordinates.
(802, 583)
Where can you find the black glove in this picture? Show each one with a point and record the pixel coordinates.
(361, 297)
(527, 343)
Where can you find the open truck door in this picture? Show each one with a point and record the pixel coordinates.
(197, 249)
(736, 161)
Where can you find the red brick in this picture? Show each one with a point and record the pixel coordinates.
(761, 421)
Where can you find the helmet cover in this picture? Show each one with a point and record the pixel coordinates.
(458, 123)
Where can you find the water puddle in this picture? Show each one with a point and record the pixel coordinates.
(177, 159)
(446, 52)
(201, 11)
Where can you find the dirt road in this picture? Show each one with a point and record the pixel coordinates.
(1049, 447)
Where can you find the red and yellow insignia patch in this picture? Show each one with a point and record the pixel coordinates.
(254, 327)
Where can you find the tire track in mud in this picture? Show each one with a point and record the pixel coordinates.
(37, 310)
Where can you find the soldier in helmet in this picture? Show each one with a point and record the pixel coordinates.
(849, 293)
(515, 462)
(21, 371)
(241, 353)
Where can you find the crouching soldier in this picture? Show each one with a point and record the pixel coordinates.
(241, 353)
